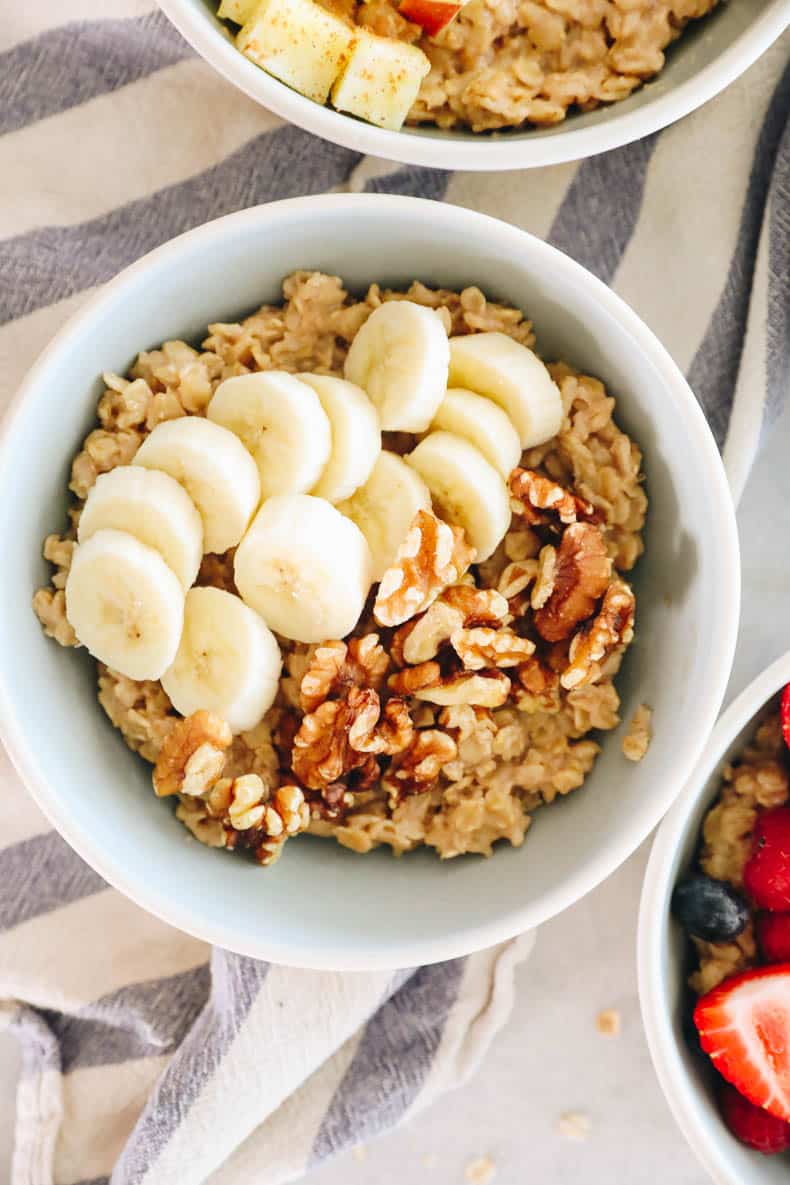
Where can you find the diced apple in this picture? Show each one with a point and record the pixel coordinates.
(238, 11)
(431, 15)
(380, 80)
(298, 42)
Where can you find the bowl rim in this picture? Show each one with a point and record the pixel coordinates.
(435, 149)
(511, 242)
(684, 1097)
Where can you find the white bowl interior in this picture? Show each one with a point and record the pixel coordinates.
(322, 905)
(687, 1077)
(710, 54)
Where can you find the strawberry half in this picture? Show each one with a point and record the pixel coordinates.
(785, 712)
(773, 936)
(744, 1026)
(753, 1125)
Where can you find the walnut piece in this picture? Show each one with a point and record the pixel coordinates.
(484, 689)
(482, 647)
(517, 577)
(414, 679)
(321, 751)
(479, 606)
(536, 687)
(539, 501)
(244, 812)
(416, 769)
(372, 731)
(335, 666)
(612, 627)
(192, 755)
(420, 640)
(545, 578)
(583, 570)
(432, 556)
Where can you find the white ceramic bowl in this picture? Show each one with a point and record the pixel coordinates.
(322, 906)
(708, 57)
(684, 1077)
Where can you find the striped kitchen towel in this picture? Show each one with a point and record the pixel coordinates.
(149, 1059)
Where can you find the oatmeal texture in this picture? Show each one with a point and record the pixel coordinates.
(757, 781)
(508, 63)
(446, 719)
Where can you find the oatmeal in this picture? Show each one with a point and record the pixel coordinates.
(471, 684)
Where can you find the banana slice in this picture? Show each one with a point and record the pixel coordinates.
(280, 421)
(124, 604)
(305, 568)
(214, 468)
(356, 436)
(494, 365)
(400, 356)
(383, 508)
(154, 508)
(466, 490)
(483, 424)
(228, 661)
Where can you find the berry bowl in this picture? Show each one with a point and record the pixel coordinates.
(697, 1095)
(701, 63)
(322, 905)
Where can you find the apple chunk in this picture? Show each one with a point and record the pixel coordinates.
(298, 42)
(380, 80)
(431, 15)
(238, 11)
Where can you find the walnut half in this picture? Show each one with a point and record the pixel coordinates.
(193, 754)
(582, 571)
(432, 556)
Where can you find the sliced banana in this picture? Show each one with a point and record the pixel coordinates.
(281, 423)
(214, 468)
(154, 508)
(228, 660)
(383, 508)
(494, 365)
(356, 436)
(124, 604)
(484, 424)
(305, 568)
(465, 488)
(401, 356)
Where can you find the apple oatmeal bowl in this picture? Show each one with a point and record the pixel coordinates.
(483, 65)
(357, 567)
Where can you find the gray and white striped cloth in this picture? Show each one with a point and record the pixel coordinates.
(147, 1057)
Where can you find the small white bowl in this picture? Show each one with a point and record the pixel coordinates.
(709, 56)
(323, 906)
(685, 1078)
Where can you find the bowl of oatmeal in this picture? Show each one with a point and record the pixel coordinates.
(504, 85)
(714, 943)
(490, 613)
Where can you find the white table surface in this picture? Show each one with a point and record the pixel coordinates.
(550, 1059)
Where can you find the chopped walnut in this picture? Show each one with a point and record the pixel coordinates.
(243, 812)
(608, 1022)
(192, 755)
(611, 628)
(321, 751)
(480, 606)
(362, 662)
(432, 556)
(583, 571)
(485, 647)
(418, 767)
(420, 640)
(485, 689)
(517, 577)
(546, 577)
(414, 679)
(536, 687)
(539, 501)
(373, 731)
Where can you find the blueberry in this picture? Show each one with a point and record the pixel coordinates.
(709, 909)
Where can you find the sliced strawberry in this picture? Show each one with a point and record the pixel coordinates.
(744, 1025)
(786, 715)
(766, 876)
(753, 1125)
(773, 936)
